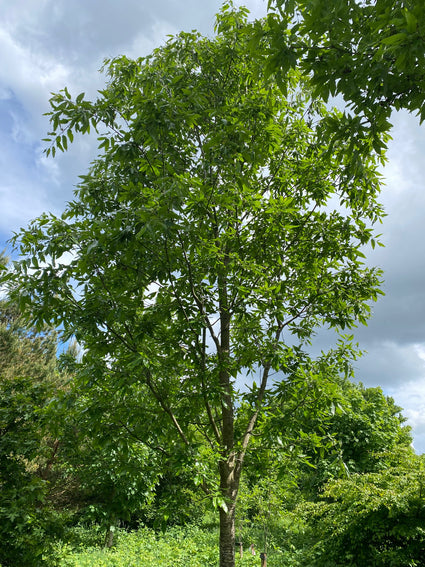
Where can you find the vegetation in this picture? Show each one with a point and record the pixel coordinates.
(27, 380)
(371, 52)
(216, 231)
(371, 519)
(190, 547)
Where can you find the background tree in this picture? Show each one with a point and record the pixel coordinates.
(370, 519)
(360, 431)
(108, 465)
(28, 378)
(351, 433)
(213, 232)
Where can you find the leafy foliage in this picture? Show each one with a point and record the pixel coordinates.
(105, 471)
(190, 547)
(372, 519)
(364, 428)
(371, 52)
(360, 436)
(27, 376)
(193, 546)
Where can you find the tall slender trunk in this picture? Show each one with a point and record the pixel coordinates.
(229, 467)
(229, 484)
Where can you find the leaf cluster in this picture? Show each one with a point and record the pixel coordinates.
(370, 52)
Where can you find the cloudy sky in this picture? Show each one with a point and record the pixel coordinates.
(47, 44)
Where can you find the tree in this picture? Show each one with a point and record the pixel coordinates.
(371, 52)
(351, 433)
(366, 426)
(27, 378)
(212, 235)
(370, 519)
(341, 428)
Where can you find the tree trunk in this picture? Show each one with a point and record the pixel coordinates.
(229, 483)
(227, 537)
(109, 538)
(110, 528)
(230, 468)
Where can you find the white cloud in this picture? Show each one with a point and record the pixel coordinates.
(28, 76)
(411, 397)
(400, 371)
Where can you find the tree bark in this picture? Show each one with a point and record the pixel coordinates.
(227, 537)
(229, 466)
(229, 483)
(109, 538)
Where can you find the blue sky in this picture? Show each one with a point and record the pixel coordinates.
(48, 44)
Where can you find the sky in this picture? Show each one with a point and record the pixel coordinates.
(46, 45)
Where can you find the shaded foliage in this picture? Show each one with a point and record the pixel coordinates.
(27, 380)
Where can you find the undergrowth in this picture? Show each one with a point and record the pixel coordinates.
(188, 546)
